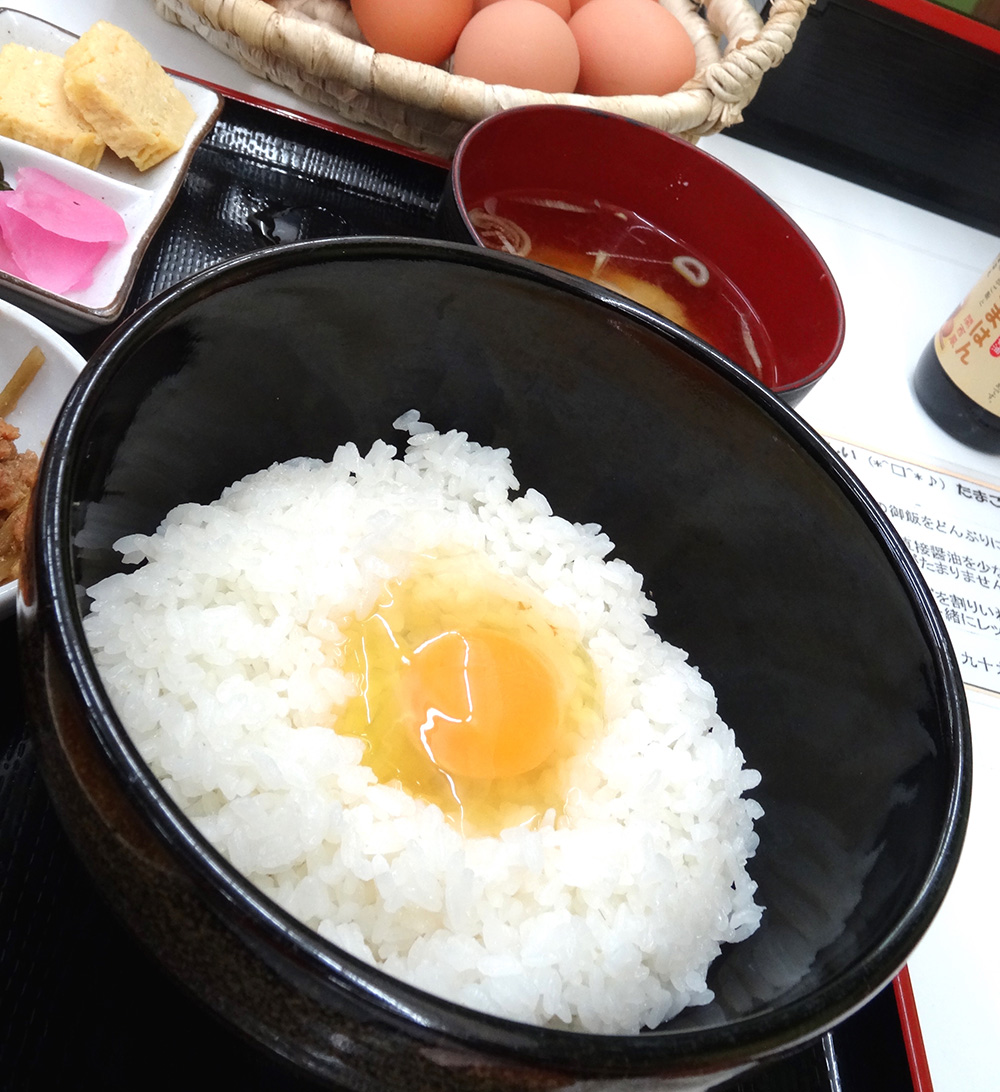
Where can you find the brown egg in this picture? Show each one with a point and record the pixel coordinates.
(575, 5)
(521, 43)
(419, 30)
(562, 8)
(631, 47)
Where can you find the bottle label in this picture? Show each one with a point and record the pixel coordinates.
(968, 344)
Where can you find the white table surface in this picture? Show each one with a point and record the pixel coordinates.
(900, 271)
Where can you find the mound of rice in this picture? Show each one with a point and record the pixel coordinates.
(218, 652)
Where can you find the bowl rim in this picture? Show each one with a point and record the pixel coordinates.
(684, 148)
(270, 929)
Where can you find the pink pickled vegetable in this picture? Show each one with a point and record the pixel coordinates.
(7, 263)
(52, 234)
(59, 208)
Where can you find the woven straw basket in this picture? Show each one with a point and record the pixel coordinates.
(314, 48)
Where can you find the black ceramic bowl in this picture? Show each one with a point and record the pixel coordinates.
(770, 563)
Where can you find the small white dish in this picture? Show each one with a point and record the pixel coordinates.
(141, 197)
(38, 406)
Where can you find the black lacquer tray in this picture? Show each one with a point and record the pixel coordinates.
(81, 1003)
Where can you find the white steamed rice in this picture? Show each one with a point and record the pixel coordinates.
(216, 654)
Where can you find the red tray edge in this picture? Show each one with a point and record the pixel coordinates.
(913, 1038)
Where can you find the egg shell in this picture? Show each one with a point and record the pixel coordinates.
(520, 43)
(575, 5)
(631, 47)
(562, 8)
(418, 30)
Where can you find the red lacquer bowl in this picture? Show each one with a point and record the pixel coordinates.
(592, 184)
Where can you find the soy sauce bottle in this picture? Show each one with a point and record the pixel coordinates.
(957, 378)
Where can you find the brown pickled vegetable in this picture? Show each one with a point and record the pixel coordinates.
(20, 380)
(18, 469)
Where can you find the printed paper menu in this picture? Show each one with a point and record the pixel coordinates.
(951, 527)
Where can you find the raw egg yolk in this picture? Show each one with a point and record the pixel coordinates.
(471, 694)
(485, 704)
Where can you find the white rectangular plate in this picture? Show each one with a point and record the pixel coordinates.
(141, 197)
